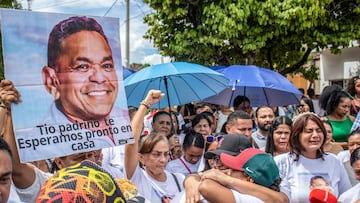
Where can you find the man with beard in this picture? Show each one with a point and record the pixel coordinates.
(264, 116)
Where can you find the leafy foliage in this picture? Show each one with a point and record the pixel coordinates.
(278, 34)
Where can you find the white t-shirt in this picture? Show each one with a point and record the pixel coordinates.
(351, 195)
(296, 175)
(152, 189)
(113, 161)
(343, 156)
(259, 139)
(176, 166)
(221, 120)
(13, 196)
(30, 193)
(239, 198)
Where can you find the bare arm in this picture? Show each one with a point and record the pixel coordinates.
(265, 194)
(211, 191)
(191, 186)
(131, 150)
(23, 174)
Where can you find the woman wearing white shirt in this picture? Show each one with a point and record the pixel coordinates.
(193, 151)
(353, 194)
(307, 159)
(152, 180)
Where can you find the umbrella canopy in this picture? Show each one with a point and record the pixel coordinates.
(127, 72)
(262, 86)
(180, 81)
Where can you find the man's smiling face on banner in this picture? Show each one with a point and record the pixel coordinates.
(86, 74)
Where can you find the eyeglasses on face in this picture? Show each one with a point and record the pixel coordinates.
(157, 155)
(212, 138)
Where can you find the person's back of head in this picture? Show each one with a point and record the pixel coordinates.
(83, 182)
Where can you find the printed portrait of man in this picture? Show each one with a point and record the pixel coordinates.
(82, 78)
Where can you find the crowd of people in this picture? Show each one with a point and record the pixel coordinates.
(198, 152)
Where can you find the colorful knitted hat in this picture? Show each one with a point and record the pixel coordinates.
(84, 182)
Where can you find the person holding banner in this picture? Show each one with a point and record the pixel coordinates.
(80, 75)
(88, 110)
(26, 177)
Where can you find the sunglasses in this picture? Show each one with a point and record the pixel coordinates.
(300, 105)
(212, 138)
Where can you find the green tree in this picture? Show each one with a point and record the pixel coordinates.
(278, 34)
(6, 4)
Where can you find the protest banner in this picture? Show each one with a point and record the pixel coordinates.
(68, 71)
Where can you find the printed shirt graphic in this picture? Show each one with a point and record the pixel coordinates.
(296, 175)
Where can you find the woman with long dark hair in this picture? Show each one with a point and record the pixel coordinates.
(279, 134)
(307, 159)
(336, 102)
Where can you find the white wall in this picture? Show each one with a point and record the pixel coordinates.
(332, 66)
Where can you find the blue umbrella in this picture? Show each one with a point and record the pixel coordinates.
(127, 72)
(262, 86)
(180, 81)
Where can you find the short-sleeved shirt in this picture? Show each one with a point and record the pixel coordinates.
(341, 129)
(144, 183)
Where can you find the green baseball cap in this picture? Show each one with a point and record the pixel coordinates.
(260, 166)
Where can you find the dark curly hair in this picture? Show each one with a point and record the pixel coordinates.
(331, 97)
(351, 85)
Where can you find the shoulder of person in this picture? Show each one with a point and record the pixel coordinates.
(282, 157)
(352, 118)
(180, 177)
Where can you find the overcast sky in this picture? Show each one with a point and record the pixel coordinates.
(141, 50)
